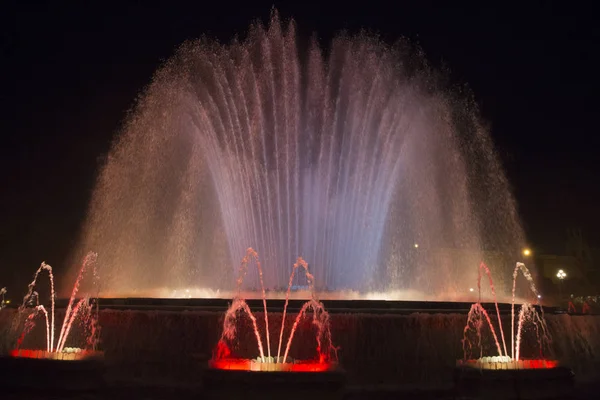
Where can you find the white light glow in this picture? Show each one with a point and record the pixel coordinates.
(392, 295)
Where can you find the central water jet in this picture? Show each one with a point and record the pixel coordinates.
(348, 154)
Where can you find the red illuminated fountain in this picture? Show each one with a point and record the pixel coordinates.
(508, 375)
(84, 310)
(325, 359)
(478, 316)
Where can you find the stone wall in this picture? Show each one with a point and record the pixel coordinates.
(416, 350)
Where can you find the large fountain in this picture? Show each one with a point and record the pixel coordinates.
(356, 156)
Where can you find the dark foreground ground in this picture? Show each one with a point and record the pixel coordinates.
(147, 391)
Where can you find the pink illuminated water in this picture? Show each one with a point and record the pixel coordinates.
(253, 255)
(89, 261)
(331, 152)
(527, 313)
(30, 324)
(519, 267)
(320, 317)
(485, 268)
(75, 308)
(299, 263)
(474, 318)
(31, 293)
(229, 325)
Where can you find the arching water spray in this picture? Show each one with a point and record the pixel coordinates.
(72, 312)
(346, 154)
(299, 263)
(474, 318)
(325, 348)
(32, 294)
(485, 268)
(527, 313)
(521, 267)
(251, 254)
(320, 319)
(230, 321)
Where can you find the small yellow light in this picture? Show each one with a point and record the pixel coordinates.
(526, 252)
(471, 289)
(416, 245)
(7, 301)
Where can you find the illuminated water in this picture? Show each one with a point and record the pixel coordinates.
(238, 307)
(358, 157)
(77, 309)
(479, 318)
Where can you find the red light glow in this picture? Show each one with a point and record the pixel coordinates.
(241, 364)
(53, 355)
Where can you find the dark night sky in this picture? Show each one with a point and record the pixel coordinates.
(69, 73)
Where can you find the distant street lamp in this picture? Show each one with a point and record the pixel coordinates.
(561, 275)
(526, 252)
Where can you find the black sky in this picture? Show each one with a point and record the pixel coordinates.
(70, 71)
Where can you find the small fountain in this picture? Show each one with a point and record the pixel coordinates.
(489, 374)
(84, 310)
(326, 359)
(528, 313)
(278, 374)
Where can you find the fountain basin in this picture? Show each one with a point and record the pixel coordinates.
(505, 363)
(524, 379)
(68, 354)
(48, 371)
(248, 379)
(257, 365)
